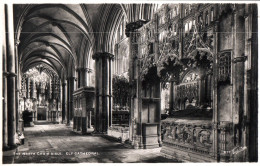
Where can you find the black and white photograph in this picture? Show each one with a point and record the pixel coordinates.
(129, 82)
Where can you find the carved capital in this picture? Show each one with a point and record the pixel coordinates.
(98, 55)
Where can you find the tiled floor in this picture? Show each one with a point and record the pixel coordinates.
(56, 143)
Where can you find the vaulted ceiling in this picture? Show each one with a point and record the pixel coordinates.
(63, 37)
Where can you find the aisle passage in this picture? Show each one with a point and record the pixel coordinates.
(56, 143)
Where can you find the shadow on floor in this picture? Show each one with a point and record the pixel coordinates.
(160, 159)
(51, 138)
(43, 122)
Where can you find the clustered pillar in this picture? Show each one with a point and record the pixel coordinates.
(135, 106)
(238, 77)
(64, 97)
(103, 105)
(9, 80)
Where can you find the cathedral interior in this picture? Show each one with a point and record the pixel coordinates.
(129, 82)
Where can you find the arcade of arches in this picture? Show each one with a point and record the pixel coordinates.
(179, 77)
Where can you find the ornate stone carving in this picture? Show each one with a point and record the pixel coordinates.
(133, 26)
(189, 43)
(147, 62)
(188, 91)
(190, 77)
(197, 38)
(197, 137)
(207, 39)
(169, 47)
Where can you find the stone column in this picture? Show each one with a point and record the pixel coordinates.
(64, 101)
(215, 91)
(109, 91)
(4, 83)
(17, 85)
(68, 106)
(171, 97)
(11, 82)
(84, 76)
(70, 89)
(78, 78)
(103, 105)
(253, 85)
(238, 72)
(135, 113)
(89, 119)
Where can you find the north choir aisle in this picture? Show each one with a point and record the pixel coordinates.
(176, 81)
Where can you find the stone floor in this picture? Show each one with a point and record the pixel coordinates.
(56, 143)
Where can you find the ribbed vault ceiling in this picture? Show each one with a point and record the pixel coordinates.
(63, 37)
